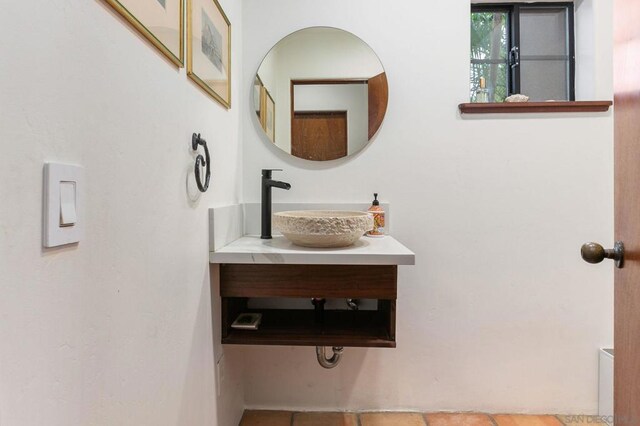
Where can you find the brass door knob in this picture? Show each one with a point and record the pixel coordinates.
(595, 253)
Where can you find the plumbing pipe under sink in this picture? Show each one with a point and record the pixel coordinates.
(329, 362)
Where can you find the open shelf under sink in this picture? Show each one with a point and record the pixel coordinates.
(307, 327)
(299, 327)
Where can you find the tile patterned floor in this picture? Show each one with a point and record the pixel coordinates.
(286, 418)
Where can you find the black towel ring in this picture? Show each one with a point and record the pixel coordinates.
(201, 162)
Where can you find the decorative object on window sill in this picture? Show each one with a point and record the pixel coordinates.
(201, 161)
(535, 107)
(209, 49)
(159, 21)
(517, 98)
(482, 94)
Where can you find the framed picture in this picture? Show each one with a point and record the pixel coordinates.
(209, 49)
(258, 101)
(269, 116)
(160, 21)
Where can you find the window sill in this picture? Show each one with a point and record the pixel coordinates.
(535, 107)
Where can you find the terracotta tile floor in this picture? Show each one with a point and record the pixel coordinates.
(386, 419)
(445, 419)
(286, 418)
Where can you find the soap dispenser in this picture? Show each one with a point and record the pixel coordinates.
(378, 219)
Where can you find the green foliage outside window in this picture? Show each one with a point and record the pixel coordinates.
(489, 50)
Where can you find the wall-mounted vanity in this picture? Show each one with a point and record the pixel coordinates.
(279, 280)
(253, 268)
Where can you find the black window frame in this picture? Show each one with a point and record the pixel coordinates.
(513, 27)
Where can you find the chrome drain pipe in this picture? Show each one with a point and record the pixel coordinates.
(329, 362)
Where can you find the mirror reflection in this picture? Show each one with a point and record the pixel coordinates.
(320, 94)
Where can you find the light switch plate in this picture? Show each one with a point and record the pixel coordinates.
(59, 181)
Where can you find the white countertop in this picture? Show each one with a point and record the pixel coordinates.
(367, 251)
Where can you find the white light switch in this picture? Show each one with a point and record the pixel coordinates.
(62, 204)
(68, 214)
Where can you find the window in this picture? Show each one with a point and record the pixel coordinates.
(526, 48)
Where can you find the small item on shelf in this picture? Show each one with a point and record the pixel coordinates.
(378, 219)
(247, 321)
(482, 94)
(517, 98)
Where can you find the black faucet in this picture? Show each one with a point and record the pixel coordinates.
(267, 184)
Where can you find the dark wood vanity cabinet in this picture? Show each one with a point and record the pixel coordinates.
(309, 327)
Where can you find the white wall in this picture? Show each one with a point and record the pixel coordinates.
(116, 330)
(499, 314)
(592, 69)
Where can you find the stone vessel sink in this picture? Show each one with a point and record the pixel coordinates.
(323, 228)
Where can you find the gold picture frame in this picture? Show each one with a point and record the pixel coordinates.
(258, 97)
(131, 11)
(210, 65)
(268, 115)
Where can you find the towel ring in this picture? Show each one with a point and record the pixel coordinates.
(201, 162)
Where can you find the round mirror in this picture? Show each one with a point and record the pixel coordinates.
(320, 94)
